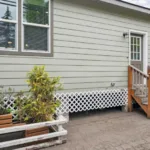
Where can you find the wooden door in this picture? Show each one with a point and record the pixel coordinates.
(137, 51)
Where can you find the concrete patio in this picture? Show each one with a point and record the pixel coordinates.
(107, 130)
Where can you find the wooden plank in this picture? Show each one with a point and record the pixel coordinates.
(7, 121)
(3, 117)
(32, 139)
(11, 125)
(18, 124)
(62, 120)
(130, 107)
(42, 145)
(37, 133)
(148, 112)
(139, 71)
(6, 125)
(138, 100)
(37, 130)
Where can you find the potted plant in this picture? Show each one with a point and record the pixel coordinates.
(5, 115)
(40, 104)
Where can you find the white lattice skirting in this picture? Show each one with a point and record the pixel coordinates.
(85, 101)
(90, 100)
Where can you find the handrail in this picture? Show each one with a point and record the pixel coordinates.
(139, 71)
(137, 84)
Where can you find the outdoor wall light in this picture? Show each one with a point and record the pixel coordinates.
(125, 34)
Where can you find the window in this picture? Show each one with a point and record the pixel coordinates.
(36, 25)
(136, 48)
(25, 27)
(8, 25)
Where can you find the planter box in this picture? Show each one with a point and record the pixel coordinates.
(5, 121)
(37, 131)
(38, 135)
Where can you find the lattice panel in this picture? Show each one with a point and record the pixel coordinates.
(9, 104)
(85, 101)
(90, 100)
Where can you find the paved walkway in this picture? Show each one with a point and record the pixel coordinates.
(108, 130)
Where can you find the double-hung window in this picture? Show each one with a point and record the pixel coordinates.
(36, 24)
(8, 25)
(25, 27)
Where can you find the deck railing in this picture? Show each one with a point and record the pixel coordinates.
(138, 79)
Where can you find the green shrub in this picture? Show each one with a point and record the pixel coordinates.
(40, 105)
(3, 110)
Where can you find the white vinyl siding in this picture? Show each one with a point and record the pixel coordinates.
(90, 51)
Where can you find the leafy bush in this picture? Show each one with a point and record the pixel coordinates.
(3, 110)
(40, 105)
(20, 99)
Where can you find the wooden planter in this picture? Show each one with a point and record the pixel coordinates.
(37, 131)
(5, 121)
(43, 135)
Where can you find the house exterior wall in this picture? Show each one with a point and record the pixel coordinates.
(90, 51)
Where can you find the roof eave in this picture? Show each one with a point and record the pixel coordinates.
(127, 5)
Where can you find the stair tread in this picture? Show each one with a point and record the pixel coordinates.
(141, 91)
(144, 96)
(145, 103)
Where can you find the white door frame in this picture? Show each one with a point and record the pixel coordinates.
(145, 48)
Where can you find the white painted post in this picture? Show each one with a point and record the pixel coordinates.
(124, 108)
(60, 128)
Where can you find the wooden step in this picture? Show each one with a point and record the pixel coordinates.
(139, 87)
(145, 99)
(142, 89)
(139, 101)
(145, 103)
(141, 96)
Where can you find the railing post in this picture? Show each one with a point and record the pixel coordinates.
(130, 107)
(148, 107)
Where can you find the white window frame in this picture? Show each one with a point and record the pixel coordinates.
(140, 52)
(16, 31)
(37, 25)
